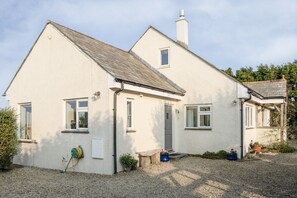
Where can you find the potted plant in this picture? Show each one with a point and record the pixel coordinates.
(255, 148)
(164, 156)
(128, 162)
(232, 155)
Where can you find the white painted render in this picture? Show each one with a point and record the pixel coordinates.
(148, 123)
(204, 85)
(182, 34)
(56, 70)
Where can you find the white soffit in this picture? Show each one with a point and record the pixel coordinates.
(116, 85)
(268, 101)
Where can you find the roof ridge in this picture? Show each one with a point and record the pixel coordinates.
(262, 81)
(55, 23)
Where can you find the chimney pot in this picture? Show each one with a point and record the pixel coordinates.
(181, 13)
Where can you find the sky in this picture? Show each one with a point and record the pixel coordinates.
(227, 33)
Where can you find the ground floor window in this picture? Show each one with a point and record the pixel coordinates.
(129, 114)
(249, 116)
(26, 121)
(264, 117)
(77, 114)
(198, 116)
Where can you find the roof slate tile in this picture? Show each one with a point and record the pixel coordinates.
(119, 63)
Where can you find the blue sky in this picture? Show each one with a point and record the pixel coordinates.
(226, 33)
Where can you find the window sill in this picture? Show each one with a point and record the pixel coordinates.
(164, 66)
(78, 131)
(27, 141)
(130, 131)
(200, 129)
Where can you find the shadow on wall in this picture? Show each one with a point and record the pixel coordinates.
(53, 148)
(148, 134)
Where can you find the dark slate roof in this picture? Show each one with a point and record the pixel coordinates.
(269, 89)
(120, 64)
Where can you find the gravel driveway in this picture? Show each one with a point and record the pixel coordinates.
(272, 175)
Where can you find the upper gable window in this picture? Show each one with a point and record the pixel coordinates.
(164, 57)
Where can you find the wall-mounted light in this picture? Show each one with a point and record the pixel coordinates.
(96, 95)
(176, 111)
(234, 102)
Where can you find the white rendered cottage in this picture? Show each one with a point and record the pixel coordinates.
(73, 90)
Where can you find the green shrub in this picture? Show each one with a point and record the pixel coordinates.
(222, 154)
(8, 137)
(128, 161)
(215, 155)
(281, 148)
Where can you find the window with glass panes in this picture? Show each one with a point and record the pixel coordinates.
(77, 114)
(198, 116)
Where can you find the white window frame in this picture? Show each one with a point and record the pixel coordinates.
(199, 113)
(130, 128)
(160, 57)
(249, 116)
(78, 110)
(20, 108)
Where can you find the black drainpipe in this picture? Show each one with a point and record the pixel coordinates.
(115, 126)
(242, 101)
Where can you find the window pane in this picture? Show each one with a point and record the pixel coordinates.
(251, 116)
(71, 115)
(164, 57)
(83, 119)
(26, 122)
(205, 108)
(191, 117)
(205, 120)
(266, 117)
(129, 114)
(83, 103)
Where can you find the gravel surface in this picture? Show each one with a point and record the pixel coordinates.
(269, 175)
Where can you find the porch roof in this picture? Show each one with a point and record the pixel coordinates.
(269, 89)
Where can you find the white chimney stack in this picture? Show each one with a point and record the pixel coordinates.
(182, 29)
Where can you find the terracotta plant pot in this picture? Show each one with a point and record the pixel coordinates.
(258, 149)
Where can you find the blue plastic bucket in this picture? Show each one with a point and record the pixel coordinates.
(164, 157)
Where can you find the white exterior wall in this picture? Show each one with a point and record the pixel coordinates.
(262, 135)
(54, 71)
(204, 85)
(148, 123)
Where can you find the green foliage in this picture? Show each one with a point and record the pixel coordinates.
(8, 137)
(128, 161)
(215, 155)
(273, 72)
(281, 148)
(229, 71)
(245, 74)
